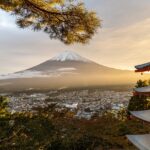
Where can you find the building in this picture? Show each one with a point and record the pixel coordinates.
(141, 141)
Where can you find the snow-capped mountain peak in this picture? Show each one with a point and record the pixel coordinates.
(69, 56)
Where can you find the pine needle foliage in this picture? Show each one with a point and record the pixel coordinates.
(66, 20)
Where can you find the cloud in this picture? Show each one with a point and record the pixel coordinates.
(116, 13)
(122, 42)
(122, 47)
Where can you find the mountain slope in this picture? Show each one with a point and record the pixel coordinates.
(68, 69)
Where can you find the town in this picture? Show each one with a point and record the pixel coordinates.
(84, 103)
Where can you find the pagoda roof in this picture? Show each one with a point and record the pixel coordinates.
(143, 67)
(145, 89)
(143, 115)
(140, 141)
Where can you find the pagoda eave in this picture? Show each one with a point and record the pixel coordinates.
(143, 115)
(142, 70)
(142, 90)
(140, 141)
(143, 67)
(141, 94)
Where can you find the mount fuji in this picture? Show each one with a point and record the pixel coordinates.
(68, 69)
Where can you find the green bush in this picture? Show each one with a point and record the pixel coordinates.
(49, 130)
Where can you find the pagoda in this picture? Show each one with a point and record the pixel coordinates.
(141, 141)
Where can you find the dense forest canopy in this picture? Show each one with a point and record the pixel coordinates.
(66, 20)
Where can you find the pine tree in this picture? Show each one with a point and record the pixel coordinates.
(65, 20)
(138, 103)
(141, 83)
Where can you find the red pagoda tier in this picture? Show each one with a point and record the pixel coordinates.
(143, 67)
(142, 91)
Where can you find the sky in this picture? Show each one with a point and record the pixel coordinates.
(122, 42)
